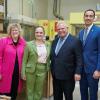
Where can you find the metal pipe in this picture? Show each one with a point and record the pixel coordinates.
(6, 21)
(55, 10)
(6, 9)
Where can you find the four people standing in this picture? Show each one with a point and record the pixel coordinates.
(91, 54)
(66, 62)
(36, 64)
(11, 55)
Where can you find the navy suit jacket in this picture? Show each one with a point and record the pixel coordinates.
(91, 49)
(69, 59)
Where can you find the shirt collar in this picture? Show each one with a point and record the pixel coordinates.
(21, 41)
(89, 28)
(65, 37)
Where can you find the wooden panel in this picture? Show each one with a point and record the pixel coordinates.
(48, 88)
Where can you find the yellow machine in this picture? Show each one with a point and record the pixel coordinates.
(50, 27)
(76, 21)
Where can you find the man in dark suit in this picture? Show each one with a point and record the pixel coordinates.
(66, 62)
(91, 55)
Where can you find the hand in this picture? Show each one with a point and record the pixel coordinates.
(0, 76)
(96, 74)
(77, 77)
(24, 78)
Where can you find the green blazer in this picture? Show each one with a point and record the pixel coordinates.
(30, 57)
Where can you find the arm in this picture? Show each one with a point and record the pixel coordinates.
(48, 60)
(79, 60)
(1, 56)
(98, 41)
(24, 63)
(96, 74)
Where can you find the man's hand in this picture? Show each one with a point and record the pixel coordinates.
(96, 74)
(77, 77)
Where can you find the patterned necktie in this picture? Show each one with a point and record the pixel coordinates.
(59, 45)
(85, 35)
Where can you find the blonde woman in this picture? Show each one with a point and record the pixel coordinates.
(36, 64)
(11, 54)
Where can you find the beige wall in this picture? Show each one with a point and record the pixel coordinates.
(44, 8)
(68, 6)
(39, 8)
(14, 7)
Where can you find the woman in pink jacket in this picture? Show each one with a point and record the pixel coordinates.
(11, 54)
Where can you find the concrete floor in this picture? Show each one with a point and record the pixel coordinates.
(76, 95)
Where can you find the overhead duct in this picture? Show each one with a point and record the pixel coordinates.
(56, 8)
(22, 19)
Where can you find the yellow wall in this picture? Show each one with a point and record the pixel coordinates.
(50, 27)
(77, 18)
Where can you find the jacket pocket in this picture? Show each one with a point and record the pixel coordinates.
(30, 69)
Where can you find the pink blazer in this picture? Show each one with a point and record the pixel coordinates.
(7, 61)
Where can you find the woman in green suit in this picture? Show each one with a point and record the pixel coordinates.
(36, 64)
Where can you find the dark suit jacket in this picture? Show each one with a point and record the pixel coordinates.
(91, 49)
(69, 59)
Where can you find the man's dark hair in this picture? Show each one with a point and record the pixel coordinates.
(89, 10)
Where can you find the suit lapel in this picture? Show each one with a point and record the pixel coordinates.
(65, 43)
(54, 44)
(34, 46)
(35, 49)
(89, 35)
(47, 48)
(81, 35)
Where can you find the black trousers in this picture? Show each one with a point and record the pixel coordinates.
(15, 81)
(63, 86)
(14, 87)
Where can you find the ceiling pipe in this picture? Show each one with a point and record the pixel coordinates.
(55, 7)
(6, 21)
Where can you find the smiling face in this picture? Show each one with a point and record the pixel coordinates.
(62, 30)
(39, 33)
(14, 33)
(89, 16)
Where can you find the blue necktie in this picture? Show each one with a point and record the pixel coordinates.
(85, 35)
(59, 45)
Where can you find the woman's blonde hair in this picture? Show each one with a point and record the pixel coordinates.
(11, 26)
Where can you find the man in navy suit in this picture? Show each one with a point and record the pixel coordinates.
(66, 62)
(91, 56)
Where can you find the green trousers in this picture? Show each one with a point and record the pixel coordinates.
(35, 82)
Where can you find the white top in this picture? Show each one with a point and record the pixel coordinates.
(42, 53)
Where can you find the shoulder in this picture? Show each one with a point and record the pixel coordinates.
(22, 40)
(48, 43)
(96, 27)
(80, 32)
(74, 39)
(30, 42)
(4, 40)
(55, 40)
